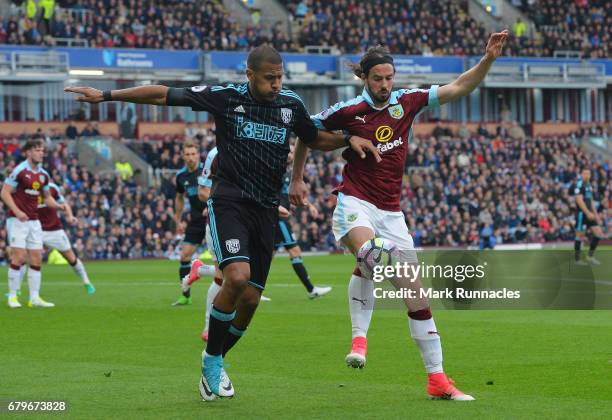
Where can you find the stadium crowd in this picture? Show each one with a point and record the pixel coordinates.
(578, 25)
(168, 25)
(475, 190)
(445, 27)
(406, 26)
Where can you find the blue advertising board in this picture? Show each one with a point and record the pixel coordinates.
(101, 58)
(320, 64)
(134, 59)
(416, 64)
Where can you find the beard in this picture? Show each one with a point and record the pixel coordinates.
(382, 97)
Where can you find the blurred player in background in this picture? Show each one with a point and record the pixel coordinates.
(285, 238)
(586, 218)
(54, 236)
(26, 185)
(198, 269)
(187, 185)
(370, 192)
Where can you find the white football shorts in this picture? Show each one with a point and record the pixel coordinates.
(26, 235)
(352, 212)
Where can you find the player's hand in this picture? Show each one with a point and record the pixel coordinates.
(21, 216)
(363, 146)
(298, 193)
(89, 94)
(314, 213)
(72, 220)
(496, 43)
(283, 213)
(179, 227)
(591, 216)
(205, 212)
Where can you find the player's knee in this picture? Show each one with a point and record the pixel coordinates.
(236, 276)
(186, 255)
(17, 259)
(295, 251)
(35, 258)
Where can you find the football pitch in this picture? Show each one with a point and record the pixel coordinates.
(126, 353)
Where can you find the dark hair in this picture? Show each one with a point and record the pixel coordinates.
(373, 53)
(263, 54)
(32, 144)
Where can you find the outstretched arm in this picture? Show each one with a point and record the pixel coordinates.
(153, 94)
(469, 80)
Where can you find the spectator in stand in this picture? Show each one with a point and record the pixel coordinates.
(124, 168)
(71, 130)
(519, 28)
(88, 131)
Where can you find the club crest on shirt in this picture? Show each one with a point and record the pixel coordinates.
(232, 245)
(286, 115)
(396, 111)
(351, 217)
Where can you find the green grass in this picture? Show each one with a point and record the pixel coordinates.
(125, 353)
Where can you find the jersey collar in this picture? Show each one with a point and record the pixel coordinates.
(392, 99)
(36, 169)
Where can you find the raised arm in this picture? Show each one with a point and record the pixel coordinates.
(469, 80)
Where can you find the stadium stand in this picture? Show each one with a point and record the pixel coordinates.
(579, 25)
(445, 27)
(474, 190)
(168, 25)
(407, 27)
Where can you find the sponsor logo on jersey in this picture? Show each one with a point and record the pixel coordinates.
(286, 115)
(384, 133)
(389, 146)
(35, 190)
(396, 111)
(250, 130)
(197, 89)
(232, 246)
